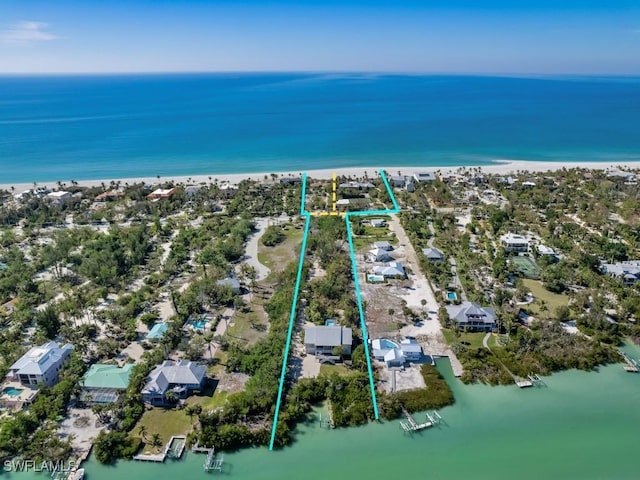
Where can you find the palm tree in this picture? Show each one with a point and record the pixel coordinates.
(142, 430)
(155, 440)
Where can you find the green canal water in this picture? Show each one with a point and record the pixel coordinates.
(583, 425)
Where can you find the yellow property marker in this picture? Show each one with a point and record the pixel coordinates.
(333, 207)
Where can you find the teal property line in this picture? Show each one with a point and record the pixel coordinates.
(363, 325)
(292, 315)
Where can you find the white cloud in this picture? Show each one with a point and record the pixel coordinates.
(27, 32)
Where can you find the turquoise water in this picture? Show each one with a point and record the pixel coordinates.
(200, 324)
(12, 391)
(451, 296)
(582, 426)
(386, 343)
(330, 323)
(95, 127)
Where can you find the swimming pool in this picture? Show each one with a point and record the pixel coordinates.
(330, 323)
(386, 343)
(200, 324)
(12, 391)
(452, 296)
(375, 278)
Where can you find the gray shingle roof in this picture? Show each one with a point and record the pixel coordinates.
(471, 312)
(169, 373)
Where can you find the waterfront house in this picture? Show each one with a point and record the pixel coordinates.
(514, 243)
(391, 270)
(357, 185)
(181, 378)
(433, 254)
(472, 316)
(411, 349)
(40, 365)
(103, 383)
(398, 181)
(321, 340)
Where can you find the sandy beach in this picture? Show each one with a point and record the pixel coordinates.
(504, 167)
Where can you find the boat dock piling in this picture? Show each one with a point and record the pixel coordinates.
(212, 463)
(411, 425)
(536, 380)
(632, 366)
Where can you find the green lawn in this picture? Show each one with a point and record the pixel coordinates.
(551, 300)
(471, 339)
(164, 421)
(339, 369)
(209, 401)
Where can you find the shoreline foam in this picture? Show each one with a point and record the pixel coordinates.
(504, 167)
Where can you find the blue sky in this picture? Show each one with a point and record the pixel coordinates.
(453, 36)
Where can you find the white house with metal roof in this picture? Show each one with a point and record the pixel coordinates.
(512, 242)
(181, 378)
(390, 270)
(433, 254)
(321, 340)
(629, 271)
(379, 255)
(40, 365)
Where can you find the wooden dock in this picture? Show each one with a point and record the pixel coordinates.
(536, 380)
(212, 463)
(631, 365)
(412, 426)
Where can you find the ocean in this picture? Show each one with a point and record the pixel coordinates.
(62, 128)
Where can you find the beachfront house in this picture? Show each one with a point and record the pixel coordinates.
(379, 255)
(161, 193)
(513, 243)
(424, 177)
(173, 379)
(390, 270)
(472, 316)
(59, 198)
(322, 340)
(103, 383)
(40, 365)
(628, 271)
(357, 185)
(398, 181)
(433, 254)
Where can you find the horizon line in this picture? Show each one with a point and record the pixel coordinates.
(323, 72)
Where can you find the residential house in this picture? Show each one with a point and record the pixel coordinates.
(410, 186)
(103, 383)
(514, 243)
(628, 271)
(411, 349)
(321, 340)
(433, 254)
(628, 177)
(59, 198)
(290, 180)
(161, 193)
(545, 251)
(390, 270)
(383, 246)
(357, 185)
(230, 281)
(424, 177)
(379, 255)
(378, 223)
(108, 196)
(395, 355)
(472, 316)
(398, 181)
(181, 378)
(40, 365)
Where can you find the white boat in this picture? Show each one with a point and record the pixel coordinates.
(77, 475)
